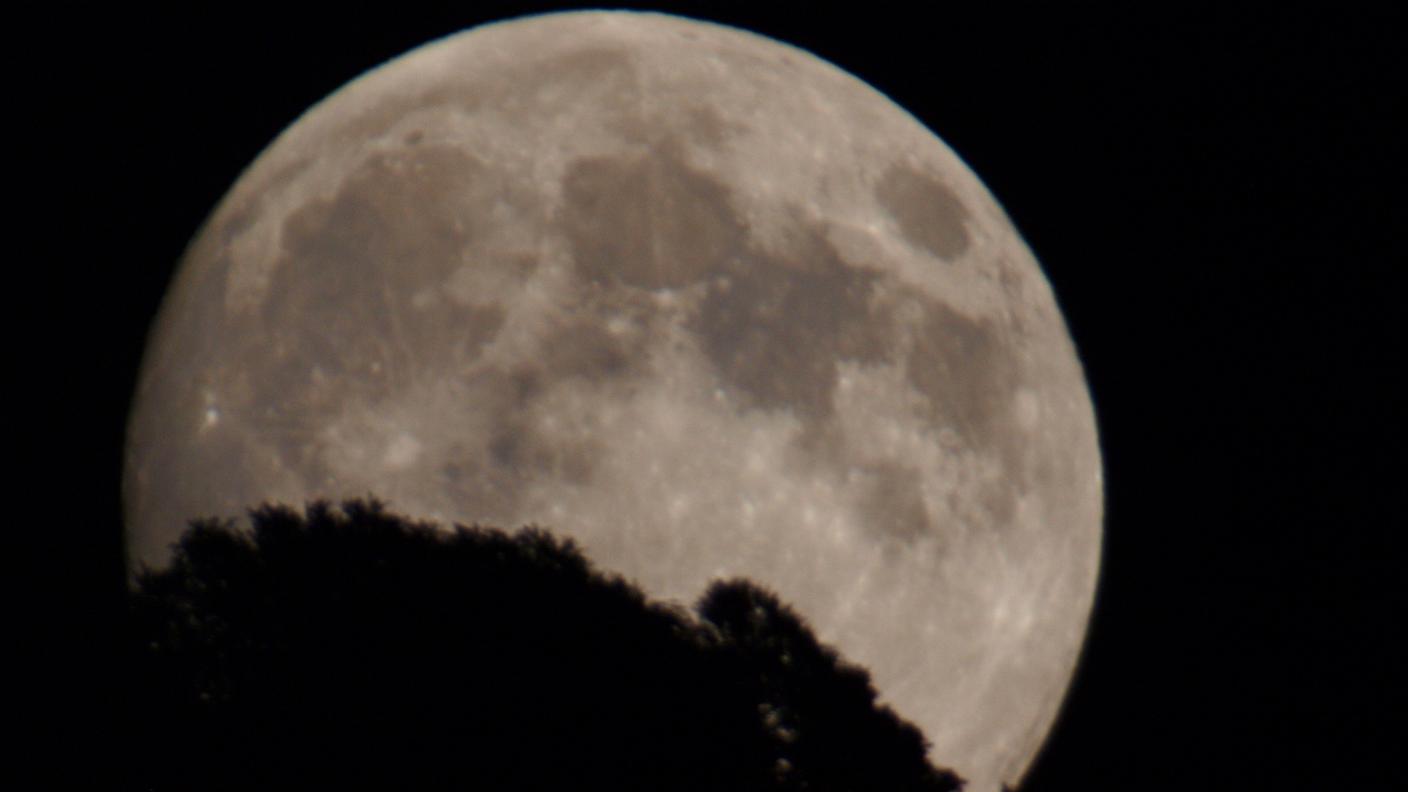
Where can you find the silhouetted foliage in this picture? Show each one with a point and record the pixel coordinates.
(820, 710)
(354, 648)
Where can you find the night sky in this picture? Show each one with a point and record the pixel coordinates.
(1208, 187)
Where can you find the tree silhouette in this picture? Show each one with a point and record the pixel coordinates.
(820, 709)
(353, 647)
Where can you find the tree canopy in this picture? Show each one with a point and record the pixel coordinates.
(352, 646)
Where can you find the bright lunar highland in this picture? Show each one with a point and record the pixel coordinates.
(697, 299)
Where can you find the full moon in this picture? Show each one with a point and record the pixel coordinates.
(697, 299)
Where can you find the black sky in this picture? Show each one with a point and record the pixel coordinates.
(1211, 189)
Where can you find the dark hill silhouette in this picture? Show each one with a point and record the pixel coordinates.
(353, 648)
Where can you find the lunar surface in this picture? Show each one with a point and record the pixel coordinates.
(698, 299)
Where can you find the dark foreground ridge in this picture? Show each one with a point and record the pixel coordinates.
(353, 648)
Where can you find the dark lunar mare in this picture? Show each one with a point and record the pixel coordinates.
(773, 326)
(357, 307)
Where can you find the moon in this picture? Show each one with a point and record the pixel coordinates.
(698, 299)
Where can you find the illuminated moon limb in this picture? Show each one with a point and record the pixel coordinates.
(698, 299)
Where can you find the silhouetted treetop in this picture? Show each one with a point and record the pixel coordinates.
(353, 647)
(821, 708)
